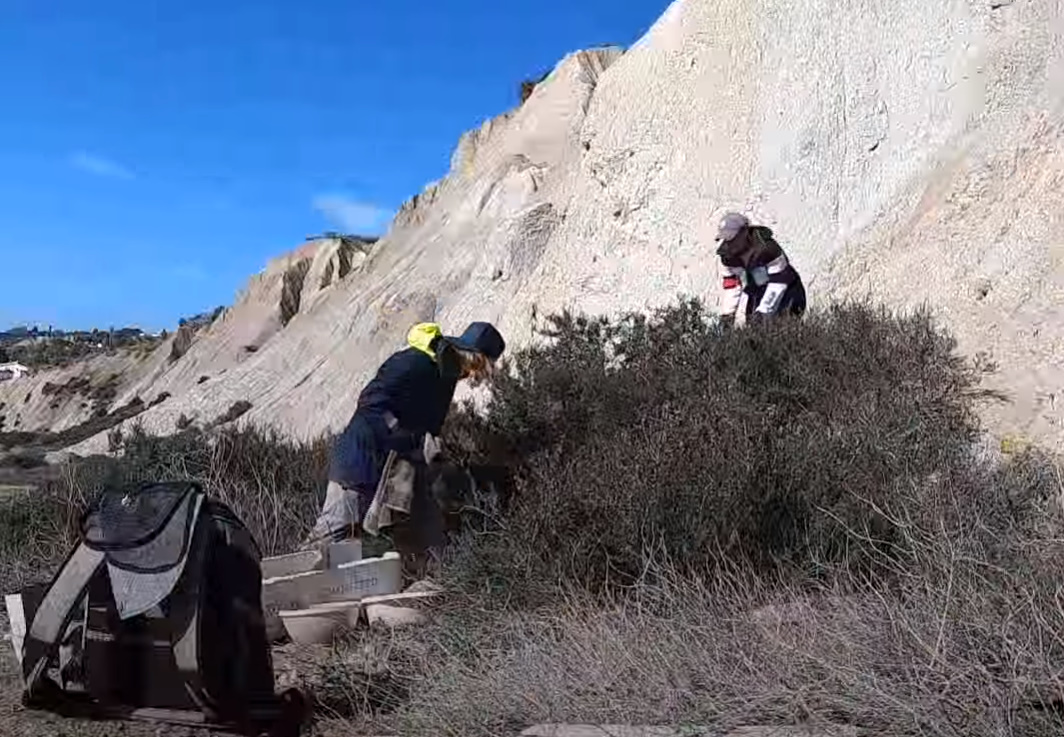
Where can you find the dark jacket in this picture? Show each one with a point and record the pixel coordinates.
(415, 387)
(761, 270)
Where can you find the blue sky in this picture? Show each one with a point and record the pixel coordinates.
(153, 155)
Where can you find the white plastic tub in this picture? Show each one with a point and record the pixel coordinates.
(340, 554)
(17, 617)
(291, 564)
(314, 626)
(348, 582)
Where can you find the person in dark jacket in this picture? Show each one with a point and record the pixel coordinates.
(404, 405)
(754, 264)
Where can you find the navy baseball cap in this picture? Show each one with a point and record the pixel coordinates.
(481, 337)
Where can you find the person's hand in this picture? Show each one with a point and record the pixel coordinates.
(432, 448)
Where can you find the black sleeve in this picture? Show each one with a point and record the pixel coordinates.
(441, 405)
(770, 255)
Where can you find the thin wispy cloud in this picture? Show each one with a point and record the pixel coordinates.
(100, 166)
(352, 215)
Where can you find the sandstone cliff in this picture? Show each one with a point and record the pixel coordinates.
(908, 152)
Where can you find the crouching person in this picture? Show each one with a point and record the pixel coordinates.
(378, 476)
(754, 264)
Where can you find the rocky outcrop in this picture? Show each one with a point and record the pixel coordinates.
(292, 289)
(905, 151)
(336, 258)
(181, 342)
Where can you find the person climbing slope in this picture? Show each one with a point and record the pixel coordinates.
(754, 264)
(399, 414)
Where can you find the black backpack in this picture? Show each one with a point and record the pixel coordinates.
(157, 614)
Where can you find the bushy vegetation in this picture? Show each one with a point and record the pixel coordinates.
(52, 353)
(788, 523)
(274, 485)
(775, 447)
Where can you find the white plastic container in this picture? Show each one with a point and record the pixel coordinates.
(16, 615)
(348, 582)
(314, 626)
(362, 578)
(391, 617)
(291, 564)
(348, 551)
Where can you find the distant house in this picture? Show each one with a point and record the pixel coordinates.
(12, 371)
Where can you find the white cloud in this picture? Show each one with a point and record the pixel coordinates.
(101, 166)
(352, 215)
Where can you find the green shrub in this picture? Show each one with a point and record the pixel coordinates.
(23, 460)
(784, 524)
(779, 445)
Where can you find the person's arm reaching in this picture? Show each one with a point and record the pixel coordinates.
(732, 292)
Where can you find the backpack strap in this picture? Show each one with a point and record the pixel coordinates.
(185, 614)
(186, 642)
(55, 612)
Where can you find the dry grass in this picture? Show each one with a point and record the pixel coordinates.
(966, 639)
(958, 645)
(274, 485)
(36, 531)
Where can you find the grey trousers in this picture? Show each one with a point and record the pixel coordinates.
(340, 515)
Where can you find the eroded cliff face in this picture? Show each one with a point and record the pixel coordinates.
(904, 152)
(193, 356)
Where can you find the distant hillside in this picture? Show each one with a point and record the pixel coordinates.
(56, 348)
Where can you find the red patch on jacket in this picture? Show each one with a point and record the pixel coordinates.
(731, 282)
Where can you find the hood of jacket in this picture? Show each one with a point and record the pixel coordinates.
(424, 337)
